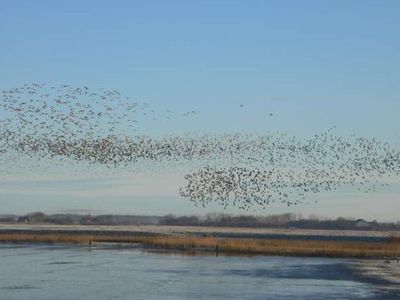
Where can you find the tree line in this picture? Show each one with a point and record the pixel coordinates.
(287, 220)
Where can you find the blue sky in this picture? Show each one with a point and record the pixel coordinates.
(313, 64)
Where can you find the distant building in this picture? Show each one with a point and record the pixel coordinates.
(362, 224)
(23, 219)
(86, 220)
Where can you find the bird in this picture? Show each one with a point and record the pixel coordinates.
(101, 128)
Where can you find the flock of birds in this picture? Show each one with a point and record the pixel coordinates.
(288, 170)
(101, 128)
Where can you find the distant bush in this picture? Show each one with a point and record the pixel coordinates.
(8, 219)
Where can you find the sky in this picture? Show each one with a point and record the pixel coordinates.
(313, 64)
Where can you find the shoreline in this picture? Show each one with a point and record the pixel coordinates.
(232, 241)
(222, 232)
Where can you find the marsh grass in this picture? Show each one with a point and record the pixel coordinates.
(352, 249)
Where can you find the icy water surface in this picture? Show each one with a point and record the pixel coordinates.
(74, 272)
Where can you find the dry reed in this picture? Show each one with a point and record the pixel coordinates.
(391, 248)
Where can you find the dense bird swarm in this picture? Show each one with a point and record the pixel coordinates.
(100, 128)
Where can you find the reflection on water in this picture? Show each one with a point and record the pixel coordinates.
(73, 272)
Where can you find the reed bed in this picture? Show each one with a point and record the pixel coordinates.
(344, 249)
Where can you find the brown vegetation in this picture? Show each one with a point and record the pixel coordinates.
(227, 245)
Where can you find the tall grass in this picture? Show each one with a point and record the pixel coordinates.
(226, 245)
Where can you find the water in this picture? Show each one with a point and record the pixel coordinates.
(74, 272)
